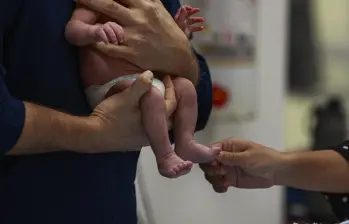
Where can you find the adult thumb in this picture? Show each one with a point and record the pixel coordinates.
(232, 158)
(139, 87)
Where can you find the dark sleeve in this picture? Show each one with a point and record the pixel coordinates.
(204, 88)
(204, 94)
(340, 202)
(12, 114)
(12, 111)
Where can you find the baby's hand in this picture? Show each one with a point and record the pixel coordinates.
(110, 32)
(185, 21)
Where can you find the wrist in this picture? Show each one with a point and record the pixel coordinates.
(81, 135)
(92, 32)
(283, 169)
(46, 130)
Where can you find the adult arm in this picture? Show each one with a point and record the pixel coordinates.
(251, 165)
(27, 128)
(324, 171)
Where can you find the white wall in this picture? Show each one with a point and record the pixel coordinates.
(189, 199)
(333, 43)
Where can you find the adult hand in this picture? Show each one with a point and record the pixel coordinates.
(242, 164)
(153, 41)
(117, 120)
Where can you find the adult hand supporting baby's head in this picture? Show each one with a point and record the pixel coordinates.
(151, 30)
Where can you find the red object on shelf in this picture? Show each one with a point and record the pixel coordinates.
(220, 96)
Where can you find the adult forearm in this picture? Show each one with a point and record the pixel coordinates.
(46, 130)
(191, 69)
(187, 65)
(325, 171)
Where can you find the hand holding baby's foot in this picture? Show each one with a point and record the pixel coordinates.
(172, 166)
(109, 32)
(185, 20)
(195, 152)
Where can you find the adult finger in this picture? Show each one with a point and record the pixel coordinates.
(235, 145)
(110, 8)
(116, 51)
(233, 158)
(138, 3)
(213, 170)
(217, 144)
(216, 180)
(220, 189)
(138, 88)
(129, 3)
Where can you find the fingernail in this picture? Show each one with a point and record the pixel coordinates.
(149, 75)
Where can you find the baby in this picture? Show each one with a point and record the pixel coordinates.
(104, 76)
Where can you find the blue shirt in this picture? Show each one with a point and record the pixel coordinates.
(41, 67)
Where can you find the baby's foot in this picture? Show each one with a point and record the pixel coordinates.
(196, 152)
(172, 166)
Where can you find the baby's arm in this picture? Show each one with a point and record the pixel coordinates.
(185, 20)
(82, 29)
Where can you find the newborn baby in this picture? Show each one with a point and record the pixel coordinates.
(104, 76)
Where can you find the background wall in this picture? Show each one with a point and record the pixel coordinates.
(331, 21)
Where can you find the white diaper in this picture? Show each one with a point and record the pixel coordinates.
(96, 93)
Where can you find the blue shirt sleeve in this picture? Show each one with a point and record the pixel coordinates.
(204, 93)
(12, 115)
(12, 111)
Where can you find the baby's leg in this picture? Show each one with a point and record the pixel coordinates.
(184, 125)
(154, 121)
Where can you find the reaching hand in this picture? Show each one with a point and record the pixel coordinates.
(109, 32)
(242, 164)
(185, 21)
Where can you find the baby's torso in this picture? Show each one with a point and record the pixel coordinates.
(97, 68)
